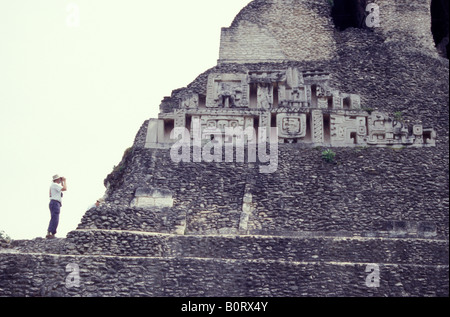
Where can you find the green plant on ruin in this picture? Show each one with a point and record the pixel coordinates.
(398, 116)
(328, 155)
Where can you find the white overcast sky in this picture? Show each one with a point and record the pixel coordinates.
(72, 97)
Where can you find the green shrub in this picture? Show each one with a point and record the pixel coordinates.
(398, 116)
(328, 155)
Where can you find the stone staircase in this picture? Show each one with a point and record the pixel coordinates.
(138, 263)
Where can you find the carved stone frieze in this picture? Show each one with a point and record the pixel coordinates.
(385, 130)
(214, 125)
(227, 91)
(291, 125)
(347, 130)
(300, 104)
(265, 96)
(317, 126)
(190, 102)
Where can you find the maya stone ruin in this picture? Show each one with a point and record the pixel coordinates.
(300, 104)
(373, 221)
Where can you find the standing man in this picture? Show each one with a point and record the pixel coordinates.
(58, 186)
(97, 203)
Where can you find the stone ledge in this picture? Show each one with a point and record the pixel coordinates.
(317, 248)
(45, 275)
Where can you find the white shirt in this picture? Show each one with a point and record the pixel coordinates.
(55, 192)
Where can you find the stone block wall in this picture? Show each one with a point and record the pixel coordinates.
(125, 263)
(408, 22)
(309, 229)
(122, 217)
(300, 248)
(273, 30)
(282, 30)
(363, 187)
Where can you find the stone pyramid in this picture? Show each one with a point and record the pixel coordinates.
(181, 218)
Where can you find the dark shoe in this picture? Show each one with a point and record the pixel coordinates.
(50, 236)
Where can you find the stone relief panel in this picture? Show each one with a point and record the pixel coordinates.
(294, 78)
(322, 103)
(347, 130)
(267, 77)
(227, 91)
(294, 93)
(190, 102)
(291, 126)
(265, 96)
(418, 134)
(337, 100)
(323, 92)
(317, 135)
(264, 120)
(213, 125)
(298, 94)
(384, 130)
(180, 119)
(301, 104)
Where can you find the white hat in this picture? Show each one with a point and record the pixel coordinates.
(55, 177)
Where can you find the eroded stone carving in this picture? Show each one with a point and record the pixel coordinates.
(300, 104)
(268, 77)
(227, 91)
(265, 96)
(180, 119)
(347, 130)
(384, 130)
(317, 124)
(213, 125)
(294, 77)
(190, 102)
(291, 125)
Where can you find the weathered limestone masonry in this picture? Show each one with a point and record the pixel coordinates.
(283, 30)
(377, 97)
(269, 31)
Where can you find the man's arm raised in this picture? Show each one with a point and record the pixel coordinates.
(64, 184)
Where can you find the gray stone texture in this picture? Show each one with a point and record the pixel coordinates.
(311, 228)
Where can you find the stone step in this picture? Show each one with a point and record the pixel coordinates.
(249, 247)
(39, 274)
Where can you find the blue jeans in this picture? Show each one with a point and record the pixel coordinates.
(55, 208)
